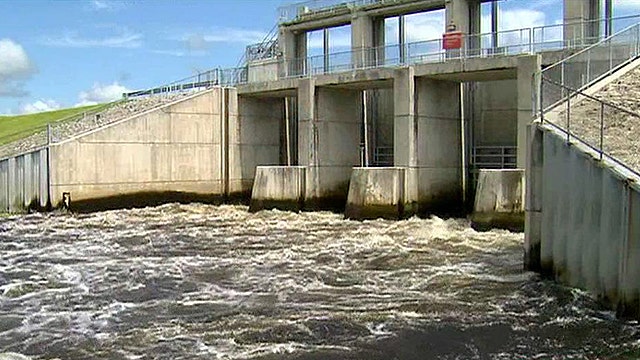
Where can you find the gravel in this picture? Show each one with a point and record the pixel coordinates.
(64, 130)
(621, 130)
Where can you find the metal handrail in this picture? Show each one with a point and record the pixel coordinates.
(598, 149)
(592, 46)
(583, 72)
(516, 41)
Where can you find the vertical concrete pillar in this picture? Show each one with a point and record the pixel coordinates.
(581, 19)
(428, 142)
(379, 39)
(362, 40)
(533, 199)
(528, 95)
(405, 134)
(464, 14)
(439, 146)
(293, 49)
(307, 152)
(329, 140)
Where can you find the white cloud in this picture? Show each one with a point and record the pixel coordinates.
(15, 67)
(201, 40)
(179, 53)
(106, 5)
(39, 106)
(101, 94)
(100, 4)
(428, 26)
(123, 39)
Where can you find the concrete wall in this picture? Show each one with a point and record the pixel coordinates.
(495, 116)
(263, 70)
(254, 139)
(329, 141)
(24, 182)
(172, 149)
(583, 221)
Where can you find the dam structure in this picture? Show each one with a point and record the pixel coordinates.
(388, 128)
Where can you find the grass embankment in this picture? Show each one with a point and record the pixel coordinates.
(13, 128)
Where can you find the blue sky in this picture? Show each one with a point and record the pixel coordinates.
(61, 53)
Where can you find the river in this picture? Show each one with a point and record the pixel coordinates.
(217, 282)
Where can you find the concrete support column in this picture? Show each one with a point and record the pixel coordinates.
(428, 142)
(405, 134)
(307, 151)
(293, 49)
(362, 40)
(528, 96)
(329, 142)
(366, 33)
(533, 199)
(439, 146)
(465, 14)
(582, 22)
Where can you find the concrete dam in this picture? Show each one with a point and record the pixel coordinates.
(389, 129)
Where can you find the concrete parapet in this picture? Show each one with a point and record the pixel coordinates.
(376, 193)
(278, 187)
(499, 200)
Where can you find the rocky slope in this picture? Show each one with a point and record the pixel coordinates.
(621, 129)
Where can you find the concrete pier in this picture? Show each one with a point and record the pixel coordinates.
(329, 142)
(499, 201)
(427, 142)
(278, 187)
(376, 193)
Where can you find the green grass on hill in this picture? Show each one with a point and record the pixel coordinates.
(13, 128)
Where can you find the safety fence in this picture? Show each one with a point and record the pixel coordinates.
(485, 45)
(606, 126)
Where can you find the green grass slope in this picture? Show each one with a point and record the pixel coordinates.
(13, 128)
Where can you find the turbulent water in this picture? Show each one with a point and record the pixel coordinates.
(206, 282)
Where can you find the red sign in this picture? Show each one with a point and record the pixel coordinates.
(452, 40)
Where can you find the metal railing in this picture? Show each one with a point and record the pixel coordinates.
(494, 157)
(509, 42)
(383, 156)
(577, 34)
(584, 68)
(265, 49)
(200, 81)
(598, 124)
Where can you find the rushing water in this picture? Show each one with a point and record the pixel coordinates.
(205, 282)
